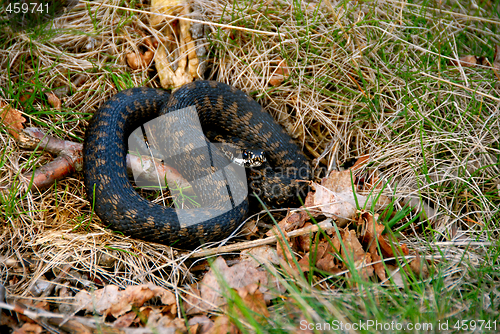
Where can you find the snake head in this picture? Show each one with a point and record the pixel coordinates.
(253, 158)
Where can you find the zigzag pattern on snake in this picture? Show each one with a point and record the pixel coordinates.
(218, 106)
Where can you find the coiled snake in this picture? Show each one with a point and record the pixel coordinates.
(218, 106)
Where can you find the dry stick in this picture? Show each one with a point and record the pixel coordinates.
(173, 17)
(70, 159)
(461, 86)
(328, 223)
(31, 314)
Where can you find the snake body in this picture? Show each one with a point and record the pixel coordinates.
(218, 106)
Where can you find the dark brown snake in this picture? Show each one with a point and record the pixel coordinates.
(219, 106)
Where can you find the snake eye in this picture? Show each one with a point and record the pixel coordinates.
(245, 154)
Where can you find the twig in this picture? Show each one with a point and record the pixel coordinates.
(31, 314)
(70, 159)
(328, 223)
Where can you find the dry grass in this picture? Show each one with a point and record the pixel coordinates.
(358, 85)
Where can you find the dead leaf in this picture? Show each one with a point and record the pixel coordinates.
(285, 253)
(353, 248)
(125, 320)
(304, 242)
(210, 291)
(395, 275)
(305, 263)
(419, 266)
(11, 118)
(327, 264)
(324, 256)
(101, 300)
(260, 255)
(26, 96)
(147, 57)
(339, 205)
(111, 301)
(372, 235)
(137, 295)
(28, 328)
(466, 61)
(280, 73)
(327, 261)
(361, 162)
(254, 299)
(379, 266)
(196, 328)
(335, 196)
(157, 319)
(200, 324)
(250, 229)
(371, 232)
(135, 61)
(53, 100)
(336, 243)
(291, 222)
(143, 314)
(222, 325)
(354, 252)
(387, 250)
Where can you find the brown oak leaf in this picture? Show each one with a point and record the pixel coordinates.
(11, 118)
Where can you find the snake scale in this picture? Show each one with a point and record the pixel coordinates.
(218, 106)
